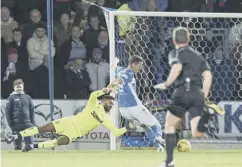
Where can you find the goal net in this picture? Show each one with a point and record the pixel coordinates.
(149, 35)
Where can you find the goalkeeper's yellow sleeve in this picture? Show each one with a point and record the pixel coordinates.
(93, 97)
(116, 131)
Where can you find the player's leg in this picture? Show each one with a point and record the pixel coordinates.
(174, 117)
(199, 121)
(149, 120)
(199, 117)
(196, 127)
(150, 124)
(18, 143)
(172, 122)
(62, 140)
(29, 141)
(49, 127)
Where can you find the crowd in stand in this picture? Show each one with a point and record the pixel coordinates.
(80, 48)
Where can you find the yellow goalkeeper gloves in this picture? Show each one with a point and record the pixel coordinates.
(213, 108)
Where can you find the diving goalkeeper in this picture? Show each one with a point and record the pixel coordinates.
(72, 127)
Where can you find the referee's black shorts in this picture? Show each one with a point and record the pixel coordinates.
(183, 101)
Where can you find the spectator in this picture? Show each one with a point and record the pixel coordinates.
(103, 43)
(13, 70)
(29, 28)
(185, 5)
(61, 6)
(205, 43)
(95, 10)
(72, 17)
(20, 46)
(37, 47)
(126, 23)
(150, 5)
(77, 80)
(98, 70)
(7, 25)
(9, 4)
(209, 6)
(224, 76)
(234, 6)
(20, 113)
(62, 30)
(71, 49)
(65, 6)
(89, 36)
(77, 8)
(25, 6)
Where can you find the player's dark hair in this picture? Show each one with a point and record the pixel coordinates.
(18, 81)
(106, 97)
(181, 35)
(41, 25)
(17, 30)
(135, 59)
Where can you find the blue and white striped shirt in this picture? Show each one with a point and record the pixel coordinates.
(127, 96)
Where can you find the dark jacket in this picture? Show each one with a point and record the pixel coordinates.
(64, 54)
(61, 34)
(19, 109)
(89, 37)
(22, 51)
(40, 83)
(77, 84)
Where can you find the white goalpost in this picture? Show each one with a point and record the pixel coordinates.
(218, 36)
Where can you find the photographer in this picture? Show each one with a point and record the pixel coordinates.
(20, 112)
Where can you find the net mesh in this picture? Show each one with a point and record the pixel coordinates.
(220, 42)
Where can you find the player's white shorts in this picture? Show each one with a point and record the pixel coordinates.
(139, 114)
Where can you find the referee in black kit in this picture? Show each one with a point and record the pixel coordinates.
(20, 113)
(188, 68)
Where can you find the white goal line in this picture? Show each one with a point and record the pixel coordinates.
(177, 14)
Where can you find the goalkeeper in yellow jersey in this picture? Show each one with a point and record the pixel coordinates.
(72, 127)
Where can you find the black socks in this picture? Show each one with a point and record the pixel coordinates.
(170, 140)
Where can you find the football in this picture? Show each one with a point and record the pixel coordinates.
(184, 146)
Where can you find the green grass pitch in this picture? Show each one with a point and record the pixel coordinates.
(124, 158)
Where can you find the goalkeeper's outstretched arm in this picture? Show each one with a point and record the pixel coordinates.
(114, 130)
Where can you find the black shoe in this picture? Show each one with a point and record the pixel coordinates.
(27, 148)
(10, 138)
(171, 164)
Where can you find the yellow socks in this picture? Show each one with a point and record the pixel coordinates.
(29, 132)
(47, 144)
